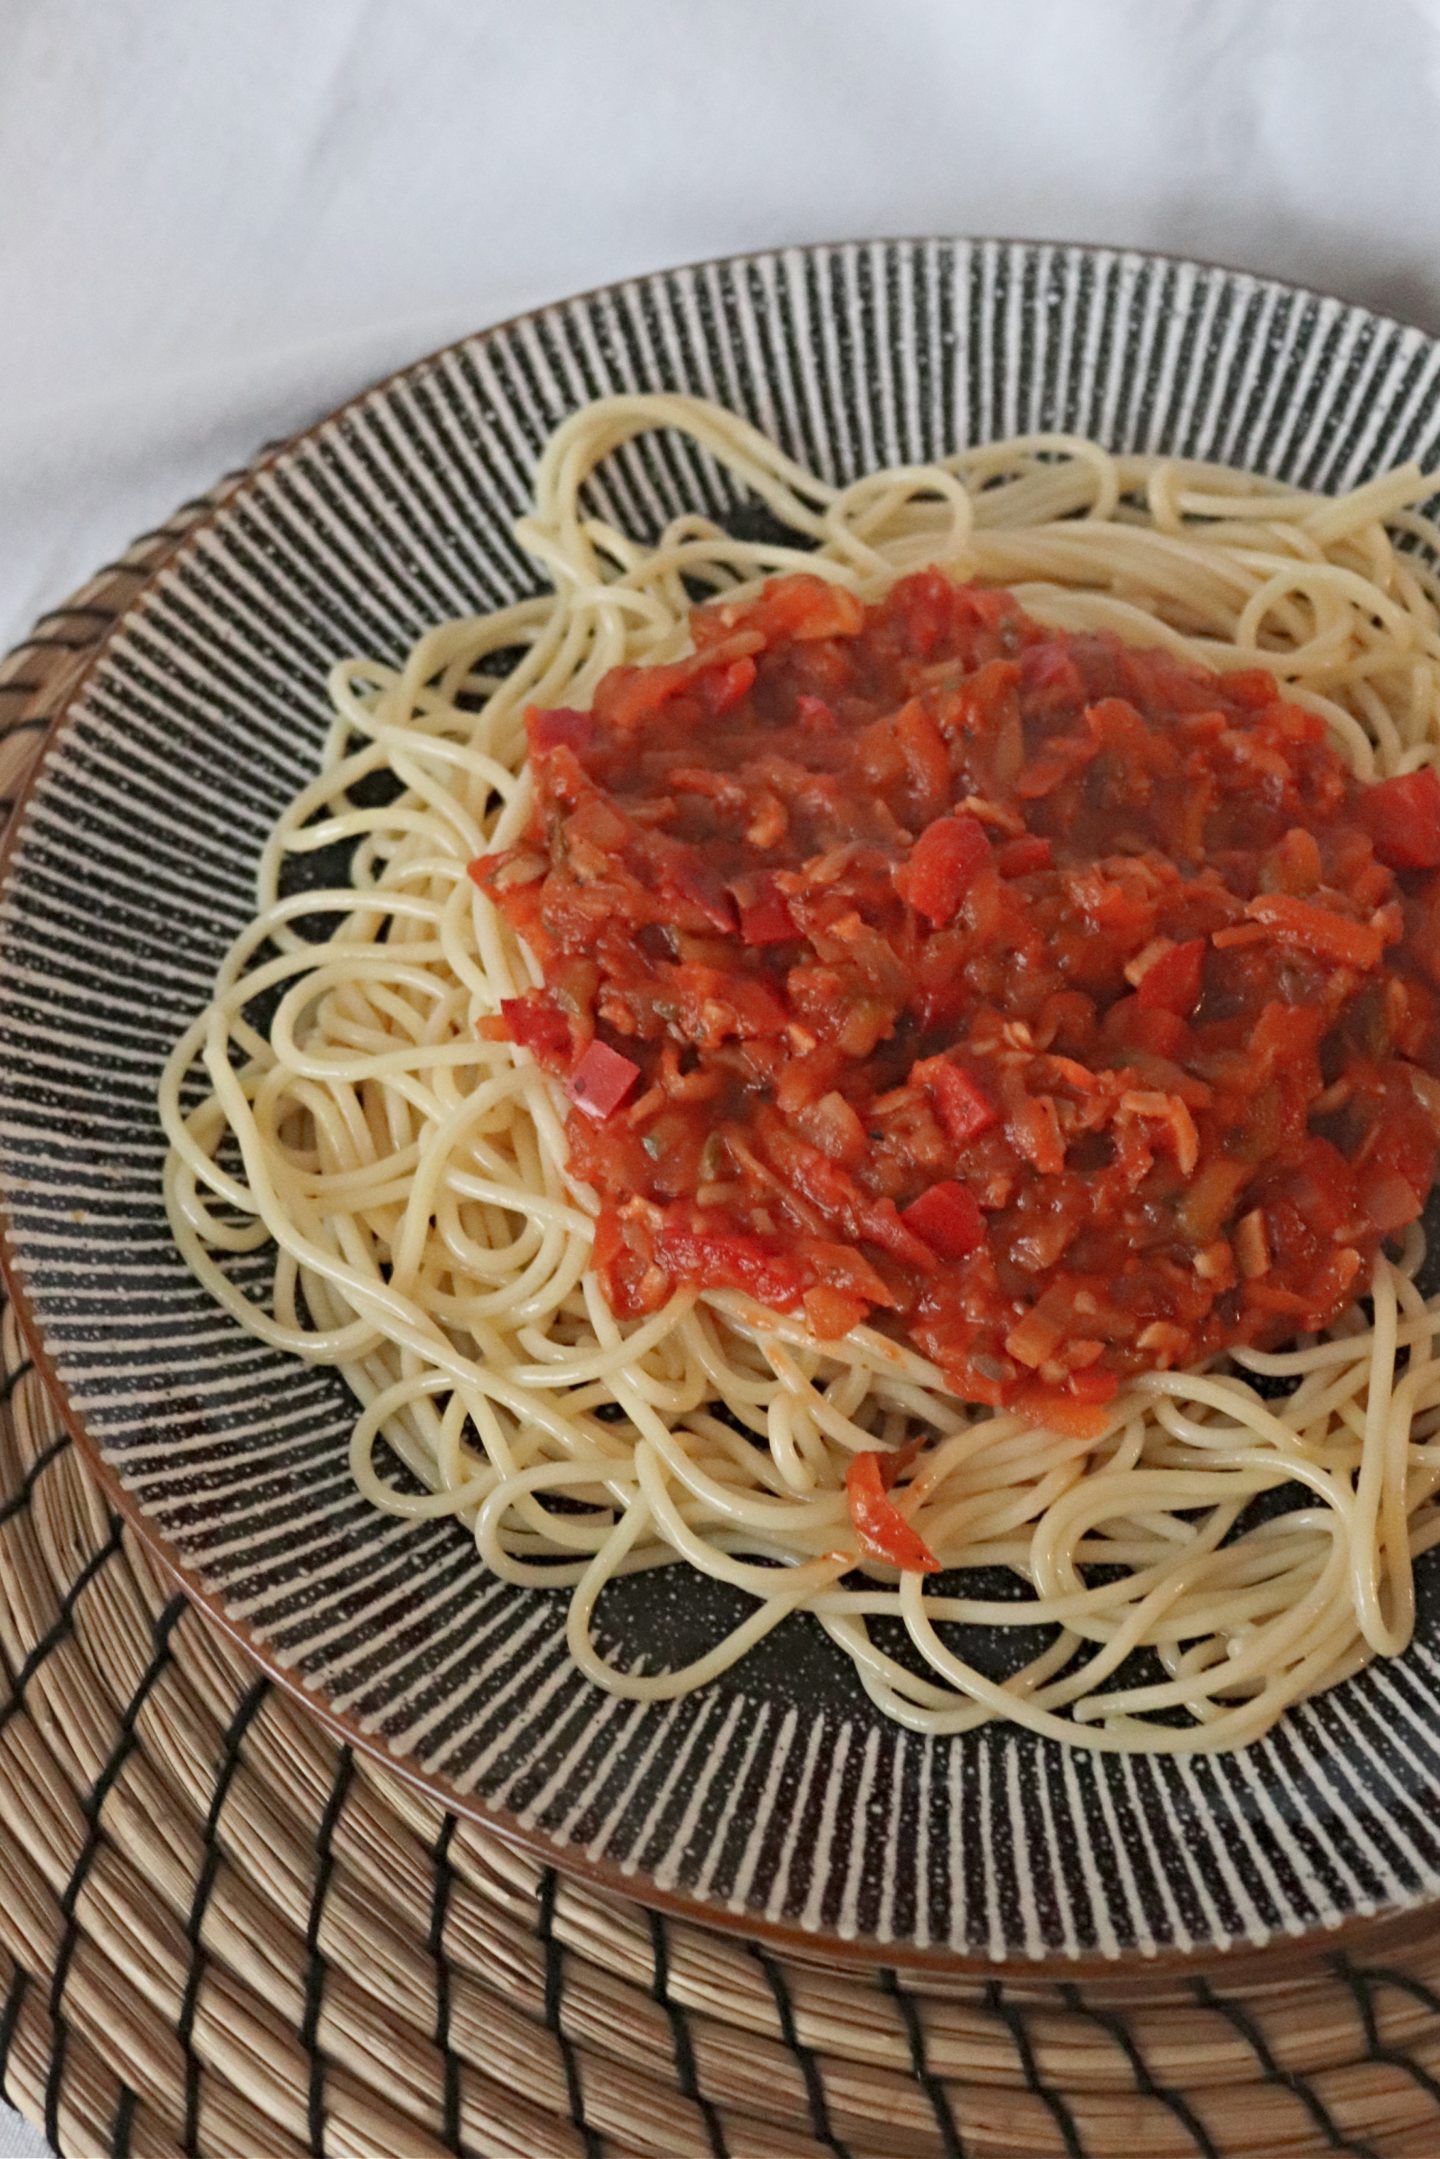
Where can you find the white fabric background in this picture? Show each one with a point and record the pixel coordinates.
(218, 219)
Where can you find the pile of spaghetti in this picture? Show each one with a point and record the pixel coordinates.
(856, 1082)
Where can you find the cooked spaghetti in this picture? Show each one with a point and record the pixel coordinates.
(658, 1146)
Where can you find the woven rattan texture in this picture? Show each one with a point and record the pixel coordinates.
(223, 1934)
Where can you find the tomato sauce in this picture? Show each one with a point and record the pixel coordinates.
(1063, 1009)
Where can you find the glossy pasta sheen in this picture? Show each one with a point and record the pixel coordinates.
(412, 1174)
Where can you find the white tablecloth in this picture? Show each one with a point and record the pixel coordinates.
(217, 219)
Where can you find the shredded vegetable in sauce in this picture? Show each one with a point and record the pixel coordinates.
(1061, 1008)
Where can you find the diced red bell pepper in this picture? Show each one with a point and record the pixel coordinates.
(881, 1528)
(766, 920)
(536, 1025)
(948, 1217)
(601, 1081)
(1031, 851)
(880, 1221)
(1173, 982)
(1402, 817)
(943, 864)
(961, 1103)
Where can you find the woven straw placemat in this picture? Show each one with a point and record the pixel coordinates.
(224, 1934)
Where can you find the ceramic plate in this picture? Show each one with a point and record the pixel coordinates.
(777, 1796)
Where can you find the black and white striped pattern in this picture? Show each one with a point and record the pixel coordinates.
(777, 1794)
